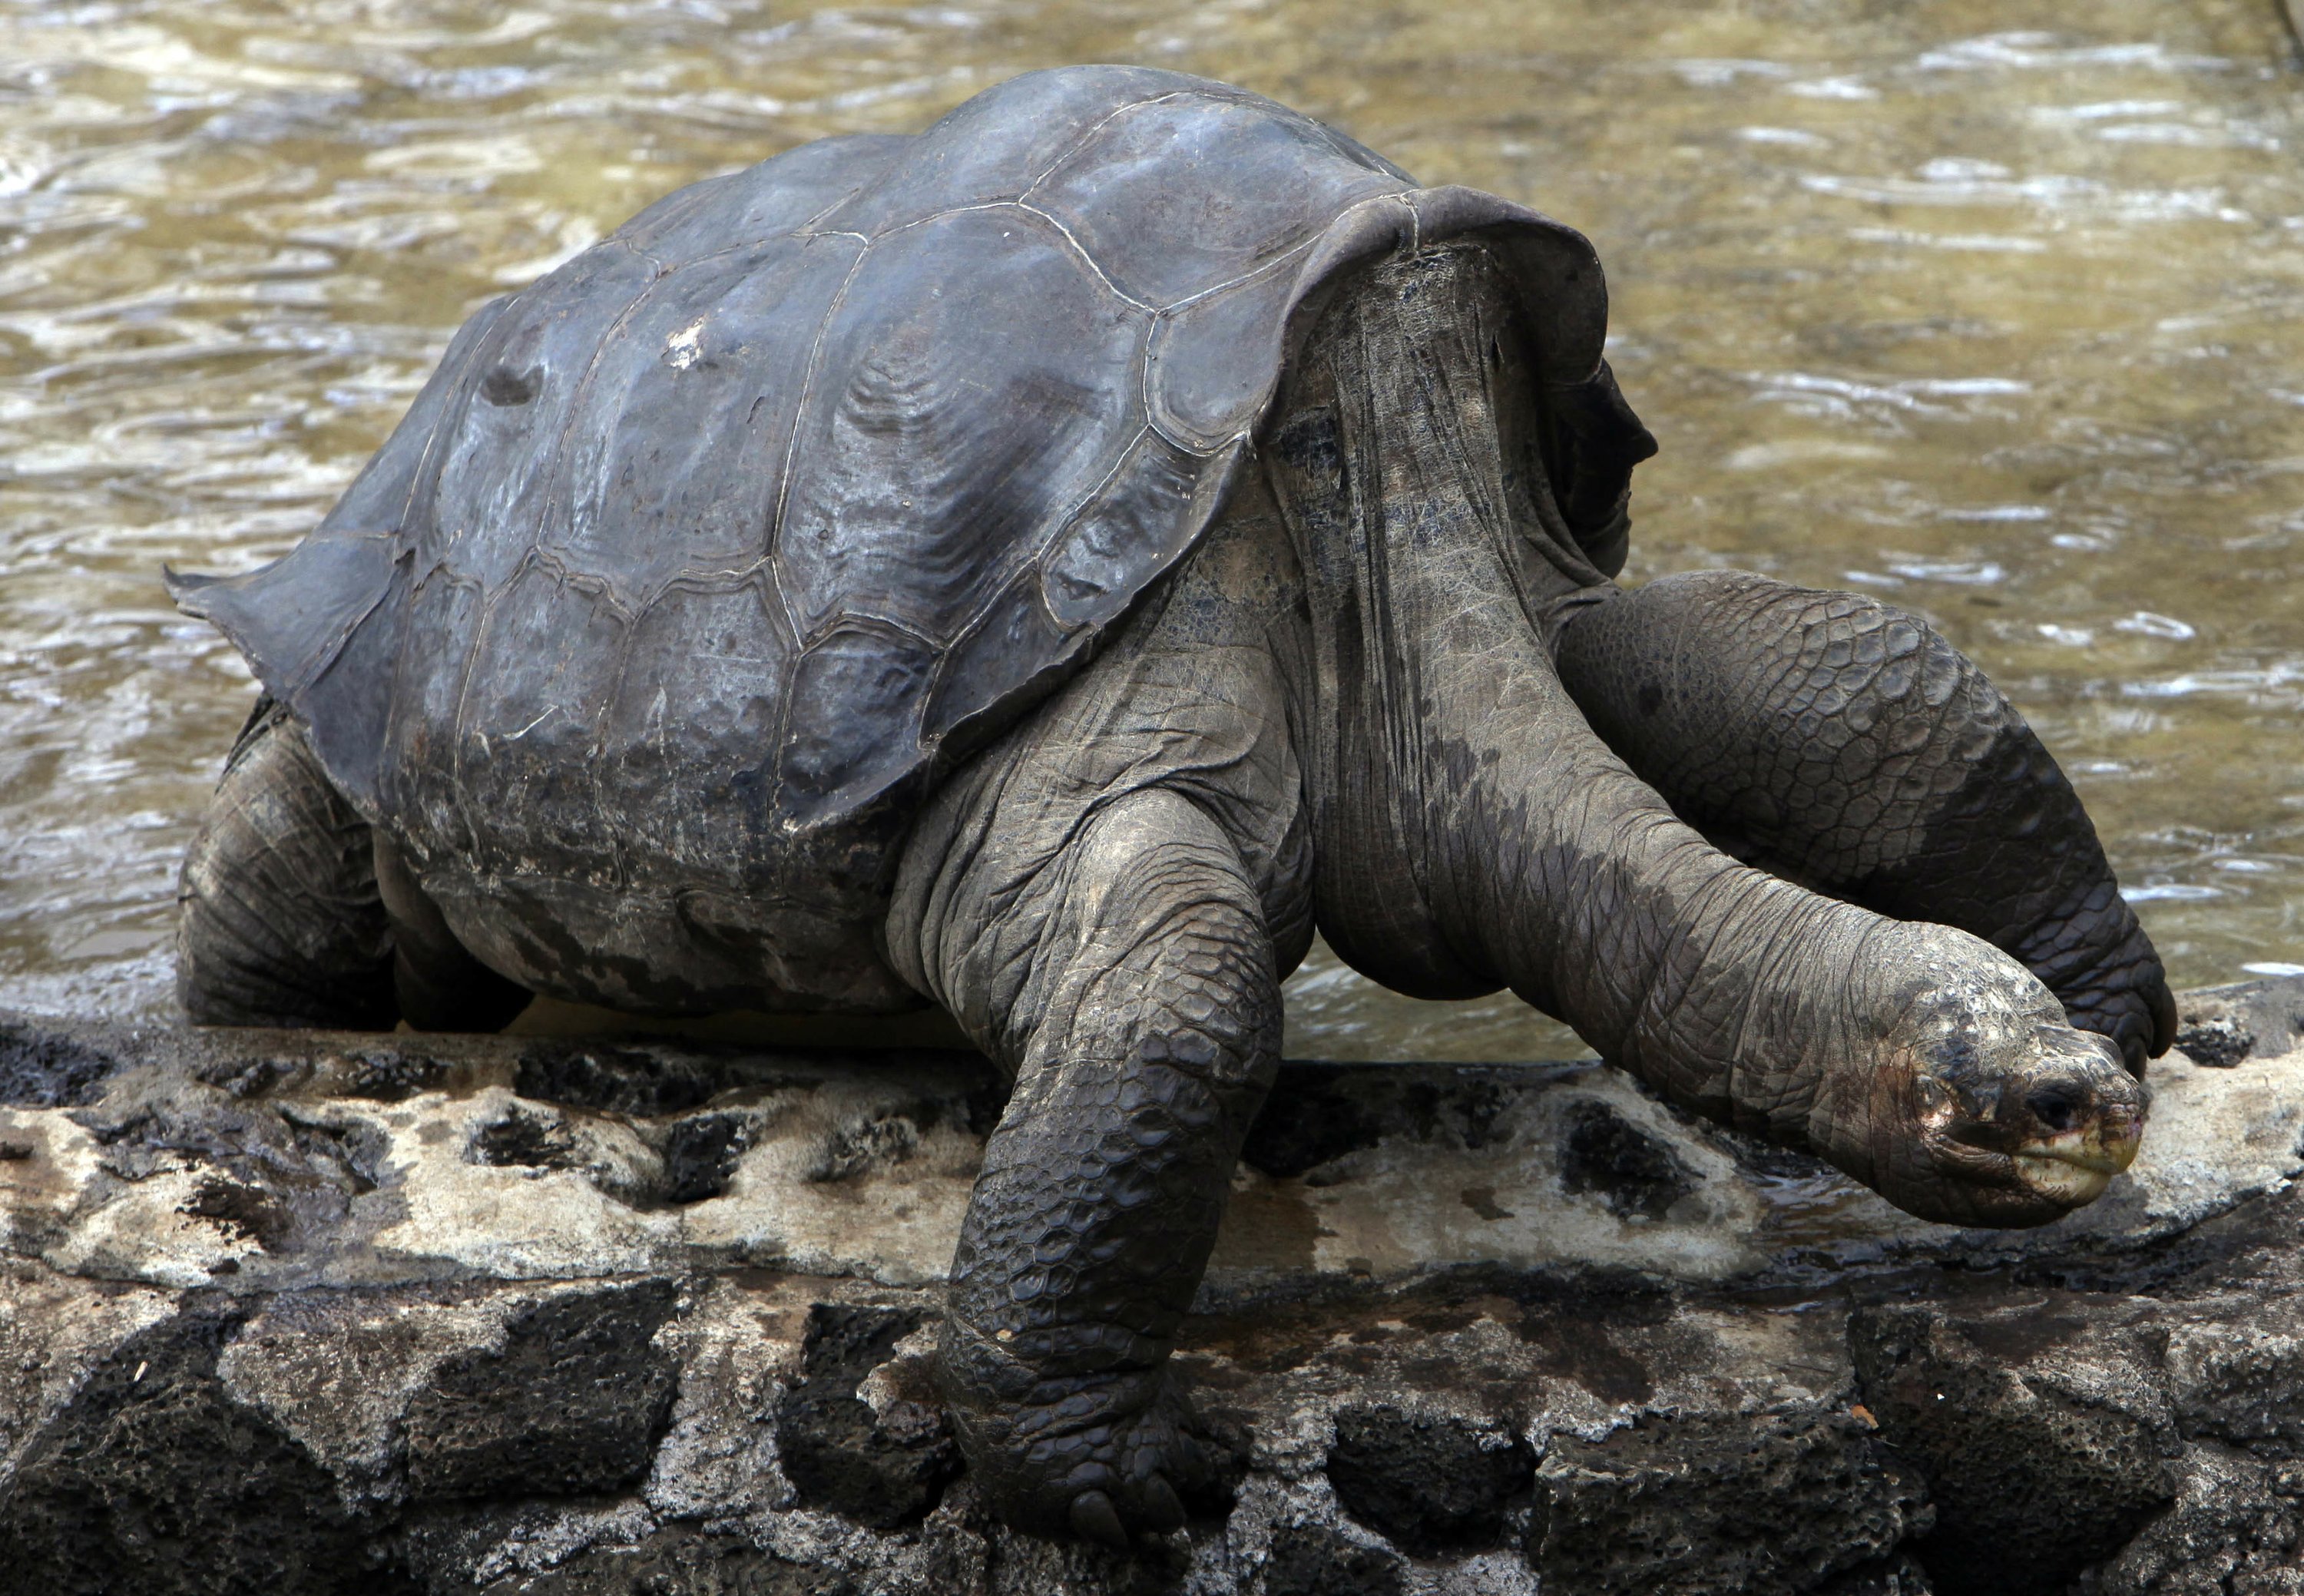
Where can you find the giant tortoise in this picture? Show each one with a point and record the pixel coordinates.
(1047, 568)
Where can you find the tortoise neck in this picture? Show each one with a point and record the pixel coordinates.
(1405, 460)
(1473, 830)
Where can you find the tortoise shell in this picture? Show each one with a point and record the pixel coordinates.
(695, 562)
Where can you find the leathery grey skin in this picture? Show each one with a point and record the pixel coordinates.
(1336, 705)
(1846, 745)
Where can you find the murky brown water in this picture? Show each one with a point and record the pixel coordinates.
(1995, 310)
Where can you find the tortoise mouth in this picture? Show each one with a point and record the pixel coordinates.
(2109, 1146)
(2073, 1167)
(2060, 1181)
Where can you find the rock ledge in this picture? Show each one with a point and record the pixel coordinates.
(304, 1312)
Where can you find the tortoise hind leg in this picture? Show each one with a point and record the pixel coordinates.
(440, 985)
(279, 921)
(1847, 746)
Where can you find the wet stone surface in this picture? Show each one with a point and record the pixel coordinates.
(299, 1312)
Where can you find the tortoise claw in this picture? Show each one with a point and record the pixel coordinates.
(1095, 1518)
(1162, 1510)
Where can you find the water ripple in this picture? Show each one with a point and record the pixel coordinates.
(1996, 311)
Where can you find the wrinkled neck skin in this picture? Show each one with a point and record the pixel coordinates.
(1473, 832)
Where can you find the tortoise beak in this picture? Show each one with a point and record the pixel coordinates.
(2080, 1119)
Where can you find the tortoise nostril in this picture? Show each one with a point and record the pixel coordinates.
(2055, 1107)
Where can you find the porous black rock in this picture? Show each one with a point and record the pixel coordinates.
(392, 1076)
(836, 1451)
(2045, 1432)
(520, 1137)
(680, 1561)
(2242, 1383)
(260, 1329)
(1320, 1113)
(153, 1479)
(1314, 1560)
(45, 1069)
(700, 1154)
(1321, 1121)
(2236, 1528)
(573, 1402)
(271, 1172)
(1633, 1172)
(1429, 1483)
(611, 1080)
(1899, 1575)
(2217, 1043)
(1772, 1504)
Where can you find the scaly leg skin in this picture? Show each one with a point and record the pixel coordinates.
(1145, 1030)
(292, 910)
(1845, 745)
(1104, 900)
(278, 920)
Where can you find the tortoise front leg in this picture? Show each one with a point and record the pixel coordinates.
(1847, 746)
(1131, 983)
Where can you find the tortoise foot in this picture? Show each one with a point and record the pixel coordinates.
(1095, 1459)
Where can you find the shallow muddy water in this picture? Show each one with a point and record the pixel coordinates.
(1994, 309)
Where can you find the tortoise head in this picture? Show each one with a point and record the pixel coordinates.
(1595, 441)
(1984, 1106)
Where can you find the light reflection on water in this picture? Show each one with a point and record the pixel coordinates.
(1992, 310)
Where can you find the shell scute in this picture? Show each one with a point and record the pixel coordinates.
(1200, 350)
(1014, 654)
(348, 715)
(702, 690)
(994, 147)
(444, 612)
(686, 417)
(1155, 195)
(528, 728)
(774, 200)
(853, 720)
(1090, 574)
(976, 383)
(379, 497)
(498, 466)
